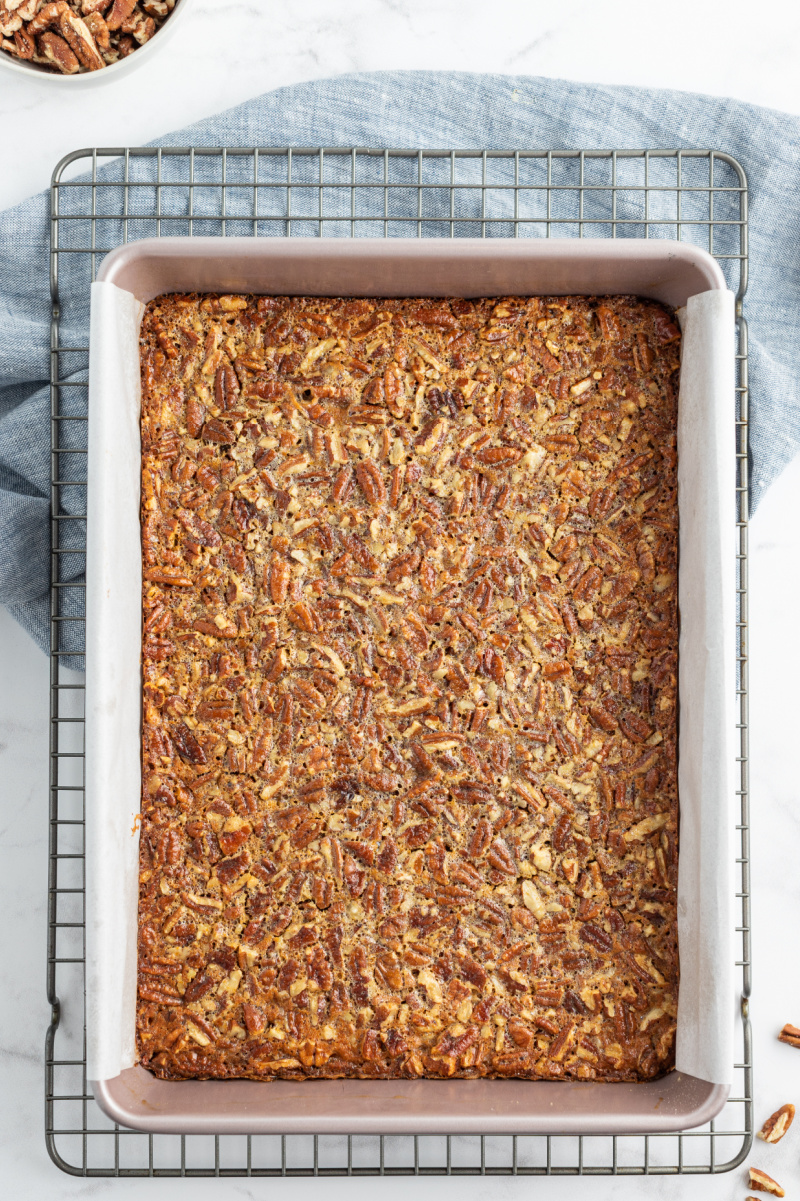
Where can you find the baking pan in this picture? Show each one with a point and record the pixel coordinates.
(668, 271)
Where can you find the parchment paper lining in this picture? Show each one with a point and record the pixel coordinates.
(706, 480)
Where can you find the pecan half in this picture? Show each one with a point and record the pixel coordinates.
(777, 1124)
(99, 30)
(49, 14)
(57, 52)
(369, 477)
(10, 23)
(24, 43)
(764, 1183)
(76, 32)
(120, 11)
(27, 9)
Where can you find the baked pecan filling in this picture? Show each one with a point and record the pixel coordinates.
(410, 683)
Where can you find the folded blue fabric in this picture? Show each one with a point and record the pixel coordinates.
(426, 110)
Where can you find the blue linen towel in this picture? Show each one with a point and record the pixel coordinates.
(427, 110)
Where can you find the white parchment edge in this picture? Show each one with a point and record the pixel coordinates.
(113, 689)
(706, 688)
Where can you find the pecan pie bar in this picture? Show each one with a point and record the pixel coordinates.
(410, 682)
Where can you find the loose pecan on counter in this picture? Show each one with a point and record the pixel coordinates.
(777, 1124)
(790, 1034)
(764, 1183)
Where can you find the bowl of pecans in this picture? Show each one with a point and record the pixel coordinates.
(87, 40)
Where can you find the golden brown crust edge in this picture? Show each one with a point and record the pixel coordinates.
(410, 683)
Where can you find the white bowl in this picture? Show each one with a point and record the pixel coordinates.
(141, 54)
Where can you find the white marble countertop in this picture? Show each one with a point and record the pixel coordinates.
(235, 49)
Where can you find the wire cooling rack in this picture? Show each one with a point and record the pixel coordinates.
(102, 198)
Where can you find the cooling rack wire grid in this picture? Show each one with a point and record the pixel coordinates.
(103, 198)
